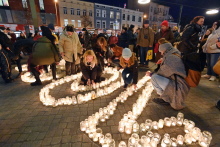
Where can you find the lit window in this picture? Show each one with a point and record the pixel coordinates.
(24, 4)
(79, 23)
(64, 10)
(65, 22)
(103, 13)
(73, 22)
(78, 11)
(117, 15)
(41, 2)
(111, 14)
(111, 25)
(72, 11)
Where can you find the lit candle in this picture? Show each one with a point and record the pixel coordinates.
(180, 139)
(167, 122)
(160, 123)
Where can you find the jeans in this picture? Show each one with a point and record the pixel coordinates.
(159, 83)
(143, 53)
(211, 61)
(127, 76)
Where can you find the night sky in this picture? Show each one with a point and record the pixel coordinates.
(191, 8)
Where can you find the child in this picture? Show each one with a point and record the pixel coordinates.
(129, 62)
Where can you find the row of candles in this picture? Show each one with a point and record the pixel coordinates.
(115, 74)
(49, 100)
(89, 125)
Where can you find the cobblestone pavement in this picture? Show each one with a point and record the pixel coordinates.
(24, 121)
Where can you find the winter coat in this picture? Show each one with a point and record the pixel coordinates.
(172, 64)
(113, 40)
(70, 45)
(36, 37)
(44, 52)
(5, 66)
(189, 39)
(87, 40)
(123, 40)
(24, 45)
(168, 35)
(134, 68)
(102, 55)
(131, 37)
(147, 32)
(6, 42)
(210, 45)
(88, 72)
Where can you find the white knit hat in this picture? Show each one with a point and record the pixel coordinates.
(126, 53)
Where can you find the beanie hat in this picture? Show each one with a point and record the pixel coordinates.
(146, 21)
(165, 46)
(126, 53)
(165, 23)
(51, 26)
(69, 28)
(84, 29)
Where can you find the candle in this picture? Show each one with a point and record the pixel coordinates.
(135, 127)
(166, 141)
(205, 139)
(173, 121)
(188, 139)
(148, 124)
(160, 123)
(122, 144)
(189, 126)
(155, 125)
(167, 122)
(180, 139)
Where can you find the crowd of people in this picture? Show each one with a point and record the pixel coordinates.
(128, 50)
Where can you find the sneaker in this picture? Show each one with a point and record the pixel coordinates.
(36, 83)
(213, 78)
(160, 101)
(206, 76)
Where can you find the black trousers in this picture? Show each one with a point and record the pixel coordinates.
(18, 62)
(5, 66)
(53, 68)
(95, 75)
(35, 72)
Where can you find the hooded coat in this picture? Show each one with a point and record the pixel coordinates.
(171, 65)
(70, 45)
(44, 52)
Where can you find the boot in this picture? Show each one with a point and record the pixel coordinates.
(36, 83)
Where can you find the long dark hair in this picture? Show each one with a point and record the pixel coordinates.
(196, 19)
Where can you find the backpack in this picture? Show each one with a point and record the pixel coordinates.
(194, 64)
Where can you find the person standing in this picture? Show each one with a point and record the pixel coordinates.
(212, 51)
(190, 36)
(131, 38)
(87, 39)
(70, 47)
(123, 38)
(145, 40)
(113, 39)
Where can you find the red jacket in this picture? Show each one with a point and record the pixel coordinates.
(113, 40)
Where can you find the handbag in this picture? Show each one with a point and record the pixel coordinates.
(149, 55)
(216, 67)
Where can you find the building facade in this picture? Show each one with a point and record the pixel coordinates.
(21, 12)
(78, 13)
(132, 17)
(154, 12)
(107, 17)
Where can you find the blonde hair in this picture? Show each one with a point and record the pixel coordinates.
(102, 40)
(162, 41)
(90, 53)
(131, 61)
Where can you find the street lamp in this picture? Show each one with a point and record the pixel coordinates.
(213, 11)
(56, 11)
(143, 1)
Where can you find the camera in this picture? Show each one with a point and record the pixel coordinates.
(145, 37)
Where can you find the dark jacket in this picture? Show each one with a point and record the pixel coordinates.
(24, 45)
(131, 37)
(87, 71)
(6, 42)
(87, 40)
(123, 40)
(44, 52)
(134, 68)
(189, 39)
(168, 35)
(5, 66)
